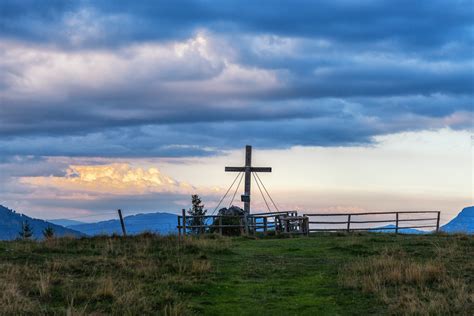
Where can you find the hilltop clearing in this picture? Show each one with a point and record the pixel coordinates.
(333, 274)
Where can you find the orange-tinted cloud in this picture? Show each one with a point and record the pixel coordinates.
(116, 178)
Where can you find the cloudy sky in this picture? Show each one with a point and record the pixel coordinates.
(357, 105)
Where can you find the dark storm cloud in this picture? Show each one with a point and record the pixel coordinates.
(197, 139)
(102, 78)
(421, 23)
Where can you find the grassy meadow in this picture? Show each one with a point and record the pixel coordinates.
(327, 274)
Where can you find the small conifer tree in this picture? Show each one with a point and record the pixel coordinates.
(48, 232)
(196, 210)
(26, 230)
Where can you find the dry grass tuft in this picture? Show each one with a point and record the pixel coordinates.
(14, 300)
(408, 286)
(174, 310)
(44, 283)
(200, 266)
(105, 288)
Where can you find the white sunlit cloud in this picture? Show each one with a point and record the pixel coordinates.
(114, 179)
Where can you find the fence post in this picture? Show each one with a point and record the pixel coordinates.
(265, 226)
(246, 225)
(437, 221)
(241, 226)
(277, 225)
(307, 225)
(184, 223)
(349, 222)
(179, 227)
(220, 225)
(124, 232)
(396, 223)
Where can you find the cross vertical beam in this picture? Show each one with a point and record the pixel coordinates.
(248, 171)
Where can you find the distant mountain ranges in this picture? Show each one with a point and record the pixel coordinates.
(162, 223)
(11, 224)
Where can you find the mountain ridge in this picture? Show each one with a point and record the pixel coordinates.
(11, 224)
(462, 223)
(65, 222)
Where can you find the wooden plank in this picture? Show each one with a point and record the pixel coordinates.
(124, 232)
(375, 221)
(339, 222)
(248, 179)
(421, 226)
(246, 226)
(248, 155)
(269, 214)
(437, 222)
(261, 169)
(396, 225)
(234, 169)
(349, 223)
(373, 213)
(417, 219)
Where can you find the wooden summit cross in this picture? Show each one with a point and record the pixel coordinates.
(248, 169)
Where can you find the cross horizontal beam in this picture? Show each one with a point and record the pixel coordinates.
(261, 169)
(252, 169)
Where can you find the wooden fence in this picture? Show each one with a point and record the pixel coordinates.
(396, 218)
(290, 223)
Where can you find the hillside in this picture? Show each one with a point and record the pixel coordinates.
(326, 274)
(463, 222)
(11, 223)
(65, 222)
(162, 223)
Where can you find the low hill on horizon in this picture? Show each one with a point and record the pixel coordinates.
(391, 229)
(462, 223)
(11, 224)
(65, 222)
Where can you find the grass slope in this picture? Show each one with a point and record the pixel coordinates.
(356, 274)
